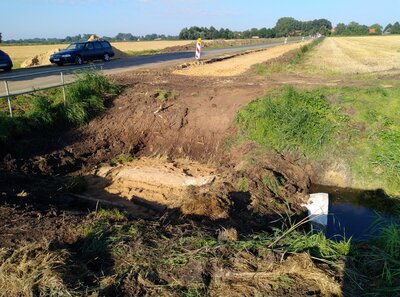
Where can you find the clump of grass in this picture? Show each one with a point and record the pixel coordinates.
(114, 215)
(165, 95)
(44, 111)
(294, 121)
(270, 68)
(305, 49)
(318, 245)
(143, 52)
(378, 262)
(122, 159)
(283, 281)
(386, 155)
(32, 270)
(272, 182)
(85, 99)
(243, 184)
(76, 184)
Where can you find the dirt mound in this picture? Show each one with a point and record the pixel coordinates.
(39, 60)
(94, 37)
(119, 54)
(161, 184)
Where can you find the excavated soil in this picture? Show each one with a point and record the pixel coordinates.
(177, 128)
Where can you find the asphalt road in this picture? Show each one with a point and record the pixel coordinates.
(25, 80)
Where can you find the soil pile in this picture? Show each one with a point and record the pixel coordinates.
(39, 60)
(160, 184)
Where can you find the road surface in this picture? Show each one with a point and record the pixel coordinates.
(24, 80)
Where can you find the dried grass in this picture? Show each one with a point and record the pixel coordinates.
(31, 270)
(352, 55)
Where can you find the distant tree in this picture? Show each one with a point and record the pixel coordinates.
(355, 28)
(285, 26)
(396, 28)
(340, 29)
(254, 32)
(1, 38)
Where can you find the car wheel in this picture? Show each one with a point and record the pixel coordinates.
(106, 57)
(78, 60)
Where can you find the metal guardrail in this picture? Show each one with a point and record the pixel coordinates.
(62, 83)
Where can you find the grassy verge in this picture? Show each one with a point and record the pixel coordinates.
(355, 126)
(45, 111)
(143, 52)
(281, 65)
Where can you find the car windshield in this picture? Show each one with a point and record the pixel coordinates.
(75, 46)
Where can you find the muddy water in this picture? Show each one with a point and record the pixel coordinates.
(354, 213)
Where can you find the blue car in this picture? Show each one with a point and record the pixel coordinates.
(80, 52)
(5, 61)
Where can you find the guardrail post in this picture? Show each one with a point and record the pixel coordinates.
(63, 87)
(8, 98)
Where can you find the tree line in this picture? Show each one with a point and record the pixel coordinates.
(286, 26)
(85, 37)
(356, 29)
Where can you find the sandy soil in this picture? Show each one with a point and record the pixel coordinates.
(353, 55)
(239, 64)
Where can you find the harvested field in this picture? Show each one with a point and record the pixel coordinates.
(352, 55)
(138, 46)
(20, 53)
(239, 64)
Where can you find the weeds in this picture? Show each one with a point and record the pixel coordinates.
(305, 49)
(122, 159)
(301, 122)
(114, 215)
(243, 184)
(76, 184)
(45, 111)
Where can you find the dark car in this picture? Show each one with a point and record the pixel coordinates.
(5, 61)
(80, 52)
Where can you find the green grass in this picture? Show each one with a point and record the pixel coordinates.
(122, 159)
(291, 121)
(242, 184)
(265, 69)
(44, 111)
(359, 127)
(76, 184)
(143, 52)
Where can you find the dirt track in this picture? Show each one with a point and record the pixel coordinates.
(240, 64)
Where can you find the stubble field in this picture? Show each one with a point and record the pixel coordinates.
(352, 55)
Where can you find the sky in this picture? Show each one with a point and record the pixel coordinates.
(60, 18)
